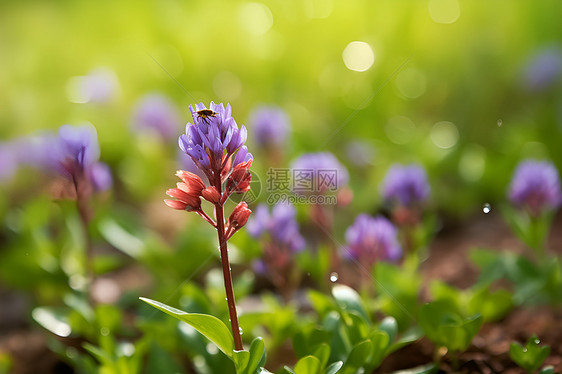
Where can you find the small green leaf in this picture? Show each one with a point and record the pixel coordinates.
(307, 365)
(380, 342)
(211, 327)
(241, 359)
(358, 357)
(54, 320)
(334, 368)
(531, 356)
(322, 353)
(348, 300)
(257, 356)
(390, 326)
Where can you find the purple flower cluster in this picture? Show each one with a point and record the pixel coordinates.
(155, 113)
(372, 239)
(281, 225)
(405, 184)
(270, 126)
(544, 69)
(321, 170)
(535, 187)
(73, 153)
(214, 131)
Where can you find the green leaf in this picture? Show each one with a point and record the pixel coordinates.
(322, 353)
(380, 342)
(53, 319)
(307, 365)
(348, 300)
(531, 356)
(334, 368)
(257, 356)
(241, 359)
(308, 339)
(390, 326)
(211, 327)
(445, 327)
(358, 357)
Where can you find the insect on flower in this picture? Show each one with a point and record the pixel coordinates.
(206, 113)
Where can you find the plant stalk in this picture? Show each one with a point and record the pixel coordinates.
(219, 213)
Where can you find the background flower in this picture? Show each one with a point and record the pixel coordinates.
(372, 239)
(535, 186)
(321, 171)
(405, 184)
(155, 113)
(270, 126)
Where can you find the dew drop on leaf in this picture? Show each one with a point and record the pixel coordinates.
(487, 208)
(334, 277)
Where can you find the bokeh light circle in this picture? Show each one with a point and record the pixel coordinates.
(358, 56)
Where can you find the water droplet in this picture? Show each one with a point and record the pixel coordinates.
(524, 350)
(241, 331)
(500, 122)
(487, 208)
(104, 331)
(537, 341)
(334, 277)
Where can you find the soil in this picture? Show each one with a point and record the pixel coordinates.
(488, 353)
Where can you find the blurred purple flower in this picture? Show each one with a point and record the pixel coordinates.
(318, 172)
(270, 126)
(372, 239)
(282, 240)
(73, 153)
(100, 176)
(536, 187)
(214, 132)
(543, 69)
(8, 161)
(405, 184)
(155, 113)
(281, 225)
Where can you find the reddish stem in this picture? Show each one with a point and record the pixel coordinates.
(219, 213)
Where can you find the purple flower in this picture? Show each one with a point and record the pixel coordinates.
(73, 153)
(155, 113)
(8, 161)
(405, 184)
(281, 225)
(372, 239)
(536, 187)
(318, 172)
(270, 126)
(543, 70)
(214, 131)
(75, 150)
(100, 176)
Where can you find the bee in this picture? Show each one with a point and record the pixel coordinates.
(206, 113)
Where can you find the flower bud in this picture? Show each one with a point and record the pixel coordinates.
(189, 202)
(193, 181)
(239, 216)
(239, 180)
(211, 194)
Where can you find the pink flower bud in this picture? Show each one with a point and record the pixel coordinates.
(239, 217)
(239, 180)
(211, 194)
(190, 202)
(191, 180)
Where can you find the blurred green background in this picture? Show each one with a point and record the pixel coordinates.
(454, 85)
